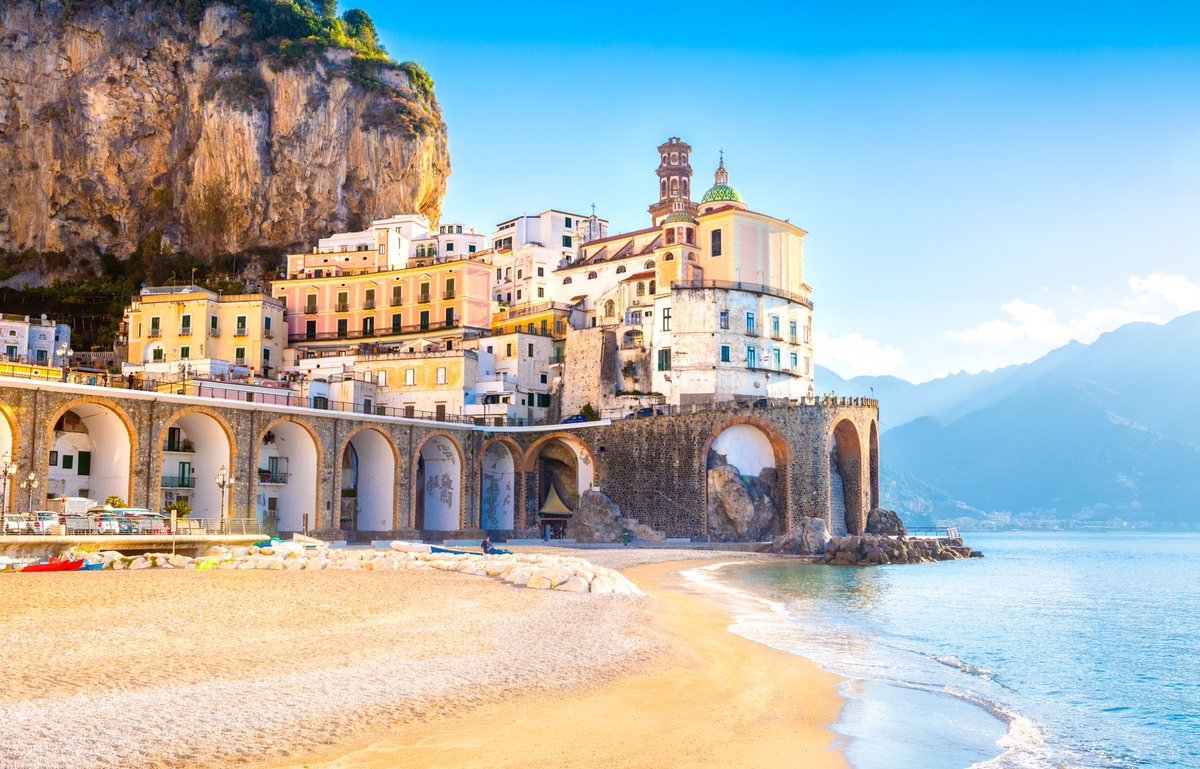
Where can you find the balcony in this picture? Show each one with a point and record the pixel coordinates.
(268, 334)
(179, 481)
(448, 295)
(397, 302)
(274, 478)
(239, 361)
(386, 331)
(155, 333)
(342, 307)
(310, 309)
(423, 299)
(185, 330)
(184, 446)
(214, 331)
(239, 331)
(369, 304)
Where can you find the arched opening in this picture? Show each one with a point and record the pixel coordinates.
(287, 497)
(439, 485)
(498, 488)
(845, 480)
(632, 339)
(744, 485)
(368, 490)
(195, 448)
(90, 455)
(874, 466)
(6, 456)
(563, 469)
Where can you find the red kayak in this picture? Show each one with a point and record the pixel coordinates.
(54, 565)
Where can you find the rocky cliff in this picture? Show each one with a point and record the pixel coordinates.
(203, 126)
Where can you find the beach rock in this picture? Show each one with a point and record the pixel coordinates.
(810, 537)
(740, 508)
(575, 584)
(139, 563)
(886, 522)
(538, 582)
(179, 561)
(602, 585)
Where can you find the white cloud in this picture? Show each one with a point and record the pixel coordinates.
(1175, 291)
(853, 354)
(1026, 321)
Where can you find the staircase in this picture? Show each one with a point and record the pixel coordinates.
(837, 503)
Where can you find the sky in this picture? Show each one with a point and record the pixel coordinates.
(981, 182)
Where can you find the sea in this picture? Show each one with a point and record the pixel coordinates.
(1055, 651)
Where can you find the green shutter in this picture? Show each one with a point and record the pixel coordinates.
(85, 463)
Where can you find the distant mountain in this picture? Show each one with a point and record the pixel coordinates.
(1086, 433)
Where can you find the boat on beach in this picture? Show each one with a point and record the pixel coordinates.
(54, 564)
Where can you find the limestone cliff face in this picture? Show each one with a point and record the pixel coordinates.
(125, 121)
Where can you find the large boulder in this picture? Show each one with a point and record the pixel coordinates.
(810, 537)
(598, 519)
(886, 522)
(740, 508)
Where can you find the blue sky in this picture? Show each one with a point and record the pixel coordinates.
(980, 184)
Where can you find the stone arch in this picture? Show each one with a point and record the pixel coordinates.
(294, 484)
(438, 482)
(500, 465)
(846, 512)
(747, 462)
(112, 444)
(873, 464)
(190, 459)
(563, 462)
(367, 461)
(8, 452)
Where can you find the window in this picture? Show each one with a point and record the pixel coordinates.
(795, 362)
(239, 356)
(155, 327)
(185, 352)
(449, 289)
(775, 326)
(531, 350)
(471, 249)
(397, 323)
(641, 289)
(310, 329)
(424, 293)
(343, 301)
(715, 243)
(620, 269)
(518, 294)
(343, 328)
(410, 376)
(775, 359)
(792, 331)
(266, 358)
(424, 320)
(441, 375)
(566, 241)
(381, 379)
(593, 275)
(508, 350)
(68, 461)
(567, 221)
(499, 273)
(671, 236)
(310, 306)
(157, 354)
(449, 317)
(649, 265)
(751, 357)
(724, 319)
(267, 323)
(54, 459)
(664, 359)
(368, 326)
(652, 286)
(750, 328)
(543, 379)
(450, 246)
(666, 319)
(240, 326)
(566, 281)
(724, 353)
(397, 295)
(185, 324)
(520, 274)
(369, 299)
(541, 292)
(610, 308)
(541, 273)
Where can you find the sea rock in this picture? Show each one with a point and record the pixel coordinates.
(809, 537)
(740, 508)
(886, 522)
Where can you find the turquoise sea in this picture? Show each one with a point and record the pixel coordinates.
(1056, 650)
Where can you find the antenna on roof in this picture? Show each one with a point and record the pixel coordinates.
(593, 209)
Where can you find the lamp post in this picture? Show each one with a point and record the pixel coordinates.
(224, 481)
(64, 355)
(30, 483)
(8, 468)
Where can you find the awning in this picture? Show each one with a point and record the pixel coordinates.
(553, 507)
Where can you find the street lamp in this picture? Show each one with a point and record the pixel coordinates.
(224, 481)
(30, 483)
(64, 355)
(8, 468)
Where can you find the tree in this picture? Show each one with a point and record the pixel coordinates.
(327, 8)
(590, 412)
(180, 508)
(361, 27)
(115, 502)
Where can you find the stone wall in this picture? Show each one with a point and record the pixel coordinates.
(654, 469)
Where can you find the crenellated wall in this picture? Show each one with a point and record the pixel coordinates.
(655, 469)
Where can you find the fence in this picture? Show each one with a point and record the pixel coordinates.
(75, 525)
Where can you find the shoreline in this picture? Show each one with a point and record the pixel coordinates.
(720, 700)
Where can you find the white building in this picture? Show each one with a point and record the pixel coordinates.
(38, 341)
(528, 249)
(451, 241)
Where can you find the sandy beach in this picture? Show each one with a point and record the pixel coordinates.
(378, 669)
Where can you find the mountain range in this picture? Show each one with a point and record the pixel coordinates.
(1087, 434)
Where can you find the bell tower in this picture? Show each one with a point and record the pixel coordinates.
(674, 178)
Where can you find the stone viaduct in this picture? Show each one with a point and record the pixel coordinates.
(362, 476)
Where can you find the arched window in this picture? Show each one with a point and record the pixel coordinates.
(620, 269)
(566, 281)
(593, 275)
(669, 258)
(649, 265)
(610, 308)
(653, 287)
(671, 236)
(685, 187)
(641, 289)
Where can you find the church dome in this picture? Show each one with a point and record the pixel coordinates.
(719, 193)
(679, 216)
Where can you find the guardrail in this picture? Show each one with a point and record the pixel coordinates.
(76, 525)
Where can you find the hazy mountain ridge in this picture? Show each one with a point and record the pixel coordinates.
(1108, 430)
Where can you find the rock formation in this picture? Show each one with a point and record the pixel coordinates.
(880, 521)
(740, 508)
(877, 550)
(809, 537)
(598, 519)
(197, 126)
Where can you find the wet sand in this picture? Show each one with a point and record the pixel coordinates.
(374, 669)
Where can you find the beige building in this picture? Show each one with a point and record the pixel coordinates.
(171, 330)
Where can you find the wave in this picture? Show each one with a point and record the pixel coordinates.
(768, 621)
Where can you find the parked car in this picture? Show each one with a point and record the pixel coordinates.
(575, 419)
(107, 523)
(645, 411)
(44, 522)
(144, 522)
(15, 524)
(77, 524)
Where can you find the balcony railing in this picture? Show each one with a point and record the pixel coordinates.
(184, 446)
(274, 477)
(268, 333)
(342, 307)
(214, 331)
(369, 304)
(310, 309)
(239, 331)
(397, 302)
(239, 361)
(387, 331)
(185, 330)
(155, 333)
(448, 295)
(179, 482)
(423, 298)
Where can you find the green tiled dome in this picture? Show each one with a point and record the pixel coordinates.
(675, 217)
(721, 192)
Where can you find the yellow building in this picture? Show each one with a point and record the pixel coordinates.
(188, 328)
